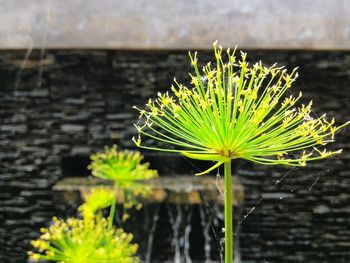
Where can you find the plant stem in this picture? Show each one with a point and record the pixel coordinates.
(112, 210)
(228, 213)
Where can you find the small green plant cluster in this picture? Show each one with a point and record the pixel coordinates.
(93, 238)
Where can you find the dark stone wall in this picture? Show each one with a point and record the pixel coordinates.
(57, 107)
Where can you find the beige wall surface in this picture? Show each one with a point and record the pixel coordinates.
(175, 24)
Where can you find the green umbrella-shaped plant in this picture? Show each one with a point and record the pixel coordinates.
(235, 110)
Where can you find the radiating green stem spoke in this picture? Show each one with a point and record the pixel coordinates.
(228, 214)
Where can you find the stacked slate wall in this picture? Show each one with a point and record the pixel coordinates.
(58, 107)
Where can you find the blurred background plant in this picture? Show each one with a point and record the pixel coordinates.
(125, 170)
(99, 198)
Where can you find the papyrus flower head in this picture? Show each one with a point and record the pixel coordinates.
(123, 167)
(83, 241)
(127, 171)
(236, 110)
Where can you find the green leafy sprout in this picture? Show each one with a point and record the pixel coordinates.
(126, 170)
(87, 240)
(235, 110)
(99, 198)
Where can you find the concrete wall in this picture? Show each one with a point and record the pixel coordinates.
(180, 24)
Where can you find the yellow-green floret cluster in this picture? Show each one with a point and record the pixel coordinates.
(98, 199)
(83, 241)
(122, 167)
(237, 110)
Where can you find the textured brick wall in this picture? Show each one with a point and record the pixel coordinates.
(75, 102)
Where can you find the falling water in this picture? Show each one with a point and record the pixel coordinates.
(186, 238)
(206, 222)
(151, 235)
(180, 219)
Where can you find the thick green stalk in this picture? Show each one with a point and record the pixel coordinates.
(228, 213)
